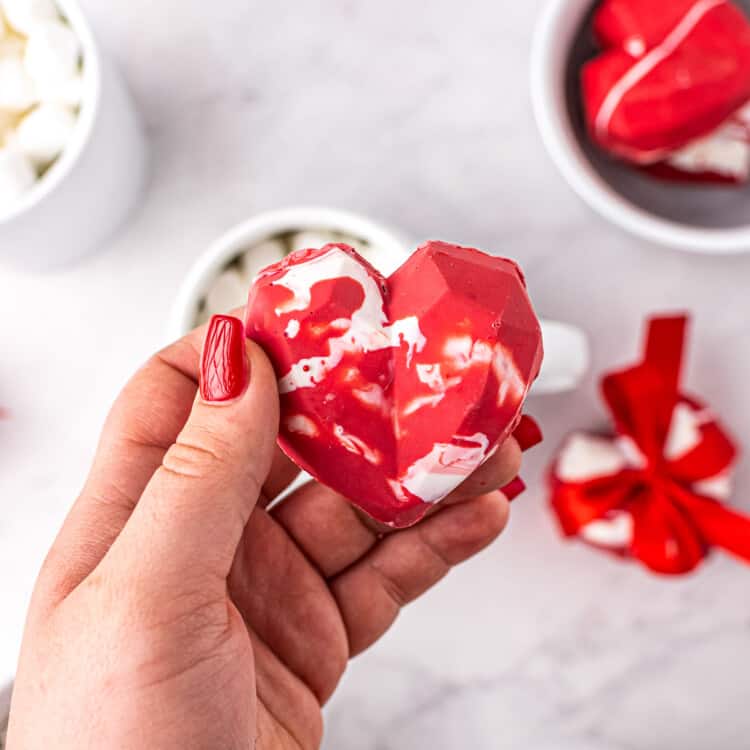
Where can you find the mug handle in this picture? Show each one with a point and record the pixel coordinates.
(566, 358)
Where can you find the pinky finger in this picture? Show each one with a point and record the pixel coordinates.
(404, 565)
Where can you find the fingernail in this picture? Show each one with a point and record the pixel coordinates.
(514, 489)
(225, 373)
(528, 433)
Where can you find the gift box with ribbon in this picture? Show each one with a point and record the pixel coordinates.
(653, 491)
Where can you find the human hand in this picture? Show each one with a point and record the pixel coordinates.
(176, 611)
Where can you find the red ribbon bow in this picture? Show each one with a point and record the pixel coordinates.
(650, 492)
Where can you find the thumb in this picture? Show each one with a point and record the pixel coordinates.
(192, 513)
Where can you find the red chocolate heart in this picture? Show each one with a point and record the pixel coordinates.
(394, 390)
(673, 71)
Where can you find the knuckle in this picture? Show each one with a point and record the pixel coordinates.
(488, 520)
(194, 457)
(391, 587)
(433, 551)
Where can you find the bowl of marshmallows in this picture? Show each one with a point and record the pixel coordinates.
(41, 88)
(72, 153)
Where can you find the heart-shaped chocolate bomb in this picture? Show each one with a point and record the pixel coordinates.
(672, 72)
(394, 390)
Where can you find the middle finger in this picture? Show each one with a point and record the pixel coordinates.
(333, 534)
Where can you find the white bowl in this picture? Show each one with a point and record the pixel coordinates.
(266, 226)
(699, 219)
(567, 352)
(94, 184)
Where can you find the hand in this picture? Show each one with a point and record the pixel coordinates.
(175, 611)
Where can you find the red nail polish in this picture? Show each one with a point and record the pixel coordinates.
(514, 489)
(528, 433)
(224, 367)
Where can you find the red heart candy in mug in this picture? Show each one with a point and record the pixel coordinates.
(672, 72)
(394, 390)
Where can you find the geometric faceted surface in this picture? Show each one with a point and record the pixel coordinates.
(394, 390)
(671, 73)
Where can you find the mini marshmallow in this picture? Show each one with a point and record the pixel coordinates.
(69, 93)
(11, 45)
(260, 257)
(23, 15)
(348, 239)
(387, 262)
(43, 134)
(52, 54)
(310, 239)
(226, 293)
(8, 124)
(17, 175)
(17, 91)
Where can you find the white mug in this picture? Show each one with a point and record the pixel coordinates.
(649, 209)
(566, 347)
(93, 186)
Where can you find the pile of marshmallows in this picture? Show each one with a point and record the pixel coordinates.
(40, 92)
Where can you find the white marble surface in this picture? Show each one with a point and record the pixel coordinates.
(417, 114)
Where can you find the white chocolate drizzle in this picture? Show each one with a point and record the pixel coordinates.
(302, 425)
(433, 476)
(356, 445)
(366, 331)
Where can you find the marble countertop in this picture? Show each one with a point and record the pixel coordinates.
(417, 115)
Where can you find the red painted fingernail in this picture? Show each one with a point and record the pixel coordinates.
(225, 373)
(514, 489)
(528, 433)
